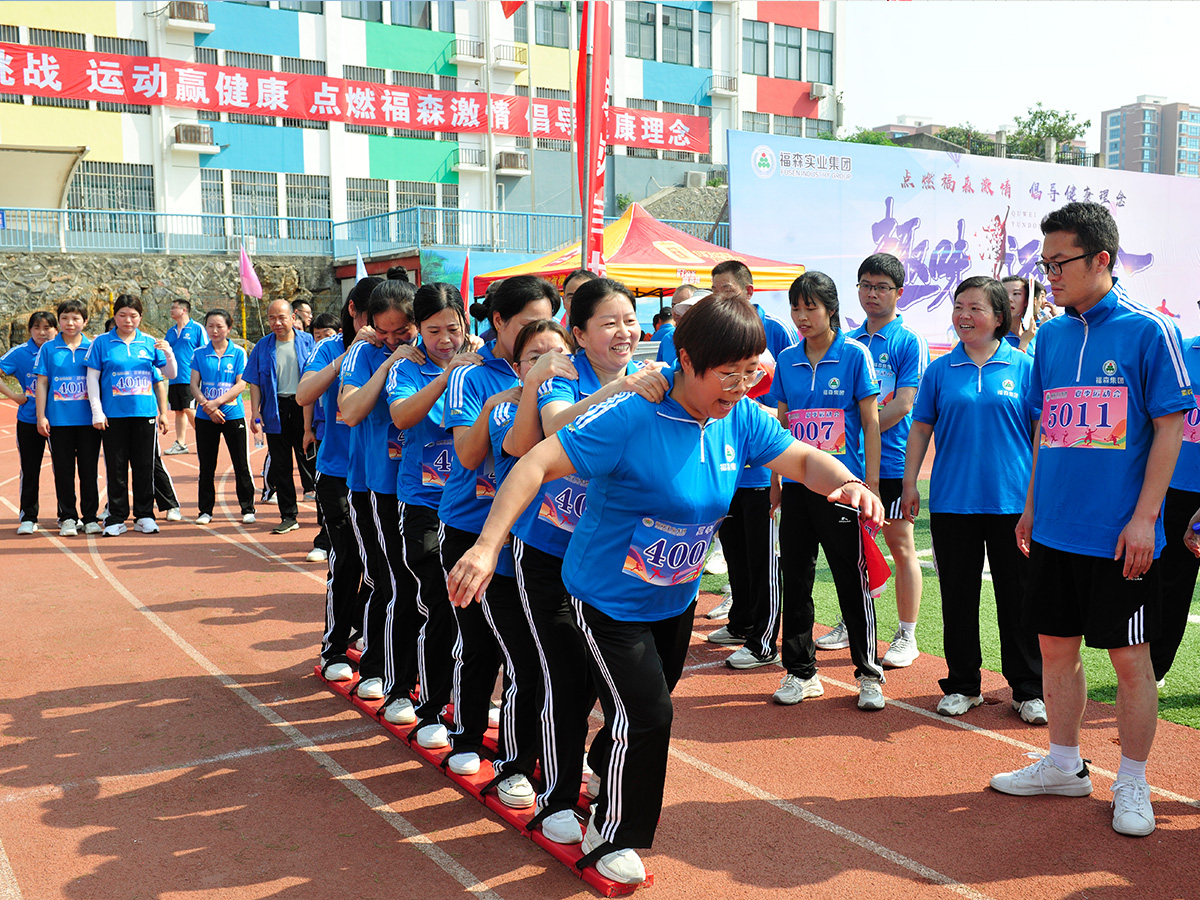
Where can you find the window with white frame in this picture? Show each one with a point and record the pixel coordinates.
(307, 199)
(255, 194)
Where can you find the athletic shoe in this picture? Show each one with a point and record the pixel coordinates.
(27, 528)
(433, 737)
(1132, 813)
(285, 526)
(592, 789)
(175, 449)
(175, 515)
(723, 636)
(562, 827)
(93, 528)
(400, 712)
(494, 716)
(465, 763)
(370, 689)
(1162, 682)
(902, 652)
(203, 519)
(744, 658)
(1032, 711)
(837, 639)
(957, 704)
(716, 564)
(68, 528)
(269, 498)
(248, 519)
(338, 671)
(310, 496)
(316, 554)
(360, 645)
(870, 693)
(621, 866)
(114, 530)
(146, 525)
(516, 792)
(721, 610)
(1044, 777)
(793, 689)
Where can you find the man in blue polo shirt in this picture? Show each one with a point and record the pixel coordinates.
(901, 357)
(1110, 378)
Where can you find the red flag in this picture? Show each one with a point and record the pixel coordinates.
(510, 7)
(591, 126)
(465, 289)
(878, 571)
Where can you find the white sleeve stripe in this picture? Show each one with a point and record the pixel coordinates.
(600, 408)
(1168, 331)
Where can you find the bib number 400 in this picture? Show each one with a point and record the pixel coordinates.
(679, 556)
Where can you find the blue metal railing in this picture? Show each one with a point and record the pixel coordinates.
(118, 231)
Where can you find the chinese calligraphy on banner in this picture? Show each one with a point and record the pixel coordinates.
(81, 75)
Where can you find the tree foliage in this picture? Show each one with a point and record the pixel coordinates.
(1031, 131)
(862, 136)
(966, 136)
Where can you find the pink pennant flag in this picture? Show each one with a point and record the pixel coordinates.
(251, 286)
(465, 289)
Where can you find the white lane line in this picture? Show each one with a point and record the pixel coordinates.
(263, 552)
(56, 791)
(9, 890)
(410, 834)
(54, 539)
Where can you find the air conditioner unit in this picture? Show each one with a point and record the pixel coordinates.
(694, 179)
(818, 91)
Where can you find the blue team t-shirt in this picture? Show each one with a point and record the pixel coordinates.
(822, 400)
(217, 375)
(375, 447)
(982, 422)
(18, 362)
(332, 457)
(901, 357)
(638, 549)
(468, 493)
(781, 334)
(429, 447)
(1187, 469)
(184, 344)
(1015, 341)
(66, 375)
(126, 374)
(1100, 378)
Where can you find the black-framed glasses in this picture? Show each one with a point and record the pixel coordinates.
(876, 289)
(1051, 267)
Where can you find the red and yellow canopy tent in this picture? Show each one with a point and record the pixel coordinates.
(651, 259)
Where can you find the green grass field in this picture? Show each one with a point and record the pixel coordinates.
(1178, 702)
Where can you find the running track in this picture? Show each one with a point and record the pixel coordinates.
(164, 737)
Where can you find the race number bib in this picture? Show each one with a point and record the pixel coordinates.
(667, 554)
(563, 502)
(132, 384)
(1191, 424)
(69, 387)
(1090, 418)
(436, 462)
(212, 391)
(821, 429)
(485, 479)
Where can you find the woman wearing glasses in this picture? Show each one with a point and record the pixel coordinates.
(633, 562)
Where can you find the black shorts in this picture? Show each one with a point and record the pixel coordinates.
(1071, 594)
(179, 397)
(890, 490)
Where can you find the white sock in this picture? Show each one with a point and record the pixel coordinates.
(1066, 758)
(908, 628)
(1131, 768)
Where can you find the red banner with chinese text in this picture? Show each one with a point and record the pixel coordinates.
(591, 96)
(154, 81)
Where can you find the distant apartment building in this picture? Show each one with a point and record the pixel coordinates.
(1152, 135)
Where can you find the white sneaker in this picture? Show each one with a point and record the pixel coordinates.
(516, 792)
(203, 519)
(310, 496)
(146, 525)
(957, 704)
(744, 658)
(1132, 812)
(1162, 682)
(175, 449)
(723, 635)
(338, 672)
(175, 515)
(249, 519)
(361, 645)
(836, 639)
(27, 528)
(592, 789)
(493, 716)
(716, 564)
(794, 689)
(465, 763)
(400, 712)
(316, 554)
(621, 866)
(721, 610)
(93, 528)
(370, 689)
(1044, 777)
(870, 693)
(1031, 711)
(433, 737)
(114, 530)
(562, 827)
(902, 652)
(68, 528)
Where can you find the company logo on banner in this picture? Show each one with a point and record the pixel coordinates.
(948, 217)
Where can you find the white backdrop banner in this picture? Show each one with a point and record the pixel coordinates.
(948, 216)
